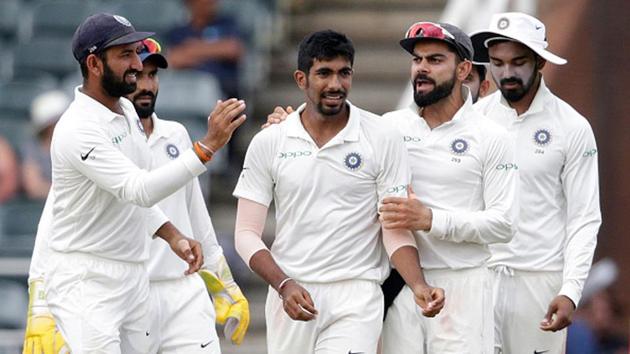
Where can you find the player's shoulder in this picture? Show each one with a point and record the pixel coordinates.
(375, 126)
(485, 104)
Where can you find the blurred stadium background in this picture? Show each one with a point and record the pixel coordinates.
(35, 56)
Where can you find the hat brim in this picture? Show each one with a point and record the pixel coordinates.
(159, 59)
(409, 44)
(481, 52)
(129, 38)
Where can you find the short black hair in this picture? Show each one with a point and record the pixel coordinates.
(83, 63)
(481, 70)
(324, 45)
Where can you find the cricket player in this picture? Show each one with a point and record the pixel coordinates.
(464, 179)
(539, 276)
(327, 167)
(184, 315)
(101, 208)
(478, 85)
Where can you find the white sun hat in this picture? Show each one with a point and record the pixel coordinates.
(47, 108)
(515, 26)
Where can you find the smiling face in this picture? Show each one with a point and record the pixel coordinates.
(327, 84)
(433, 72)
(146, 92)
(514, 69)
(121, 64)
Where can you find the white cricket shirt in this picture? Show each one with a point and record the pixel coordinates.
(464, 171)
(101, 185)
(327, 198)
(185, 208)
(559, 213)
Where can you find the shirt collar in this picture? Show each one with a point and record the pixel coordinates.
(538, 103)
(350, 132)
(159, 128)
(461, 112)
(100, 109)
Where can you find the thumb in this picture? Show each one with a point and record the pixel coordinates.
(410, 193)
(550, 311)
(184, 248)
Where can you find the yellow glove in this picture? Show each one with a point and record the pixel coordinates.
(230, 304)
(41, 335)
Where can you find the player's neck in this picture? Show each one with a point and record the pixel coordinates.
(323, 128)
(147, 124)
(444, 110)
(96, 91)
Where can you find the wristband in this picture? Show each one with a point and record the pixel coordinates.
(282, 284)
(200, 153)
(212, 152)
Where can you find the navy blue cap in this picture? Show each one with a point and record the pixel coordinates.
(151, 48)
(102, 31)
(445, 32)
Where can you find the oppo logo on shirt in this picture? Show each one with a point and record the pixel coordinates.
(590, 153)
(507, 166)
(411, 139)
(118, 139)
(397, 189)
(293, 154)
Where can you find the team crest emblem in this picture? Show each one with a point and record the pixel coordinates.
(542, 137)
(503, 23)
(353, 161)
(459, 146)
(123, 21)
(172, 151)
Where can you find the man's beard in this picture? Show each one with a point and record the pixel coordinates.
(515, 95)
(439, 91)
(144, 111)
(115, 87)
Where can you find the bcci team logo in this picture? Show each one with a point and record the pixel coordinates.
(503, 23)
(459, 146)
(353, 161)
(542, 137)
(123, 21)
(172, 151)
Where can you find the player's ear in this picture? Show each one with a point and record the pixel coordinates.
(300, 79)
(94, 65)
(463, 69)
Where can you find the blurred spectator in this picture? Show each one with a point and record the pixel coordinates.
(598, 325)
(8, 171)
(46, 109)
(208, 42)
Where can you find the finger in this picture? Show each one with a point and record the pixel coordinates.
(394, 200)
(37, 346)
(198, 253)
(389, 207)
(305, 315)
(220, 106)
(265, 125)
(438, 298)
(410, 192)
(236, 123)
(308, 303)
(547, 321)
(278, 110)
(232, 111)
(28, 346)
(290, 109)
(184, 248)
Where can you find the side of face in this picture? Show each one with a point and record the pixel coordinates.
(435, 70)
(117, 70)
(147, 87)
(514, 68)
(327, 84)
(478, 87)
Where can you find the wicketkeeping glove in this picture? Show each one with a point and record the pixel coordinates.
(41, 335)
(230, 304)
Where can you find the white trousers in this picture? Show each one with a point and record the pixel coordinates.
(100, 305)
(183, 317)
(521, 300)
(349, 320)
(464, 326)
